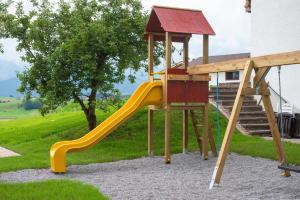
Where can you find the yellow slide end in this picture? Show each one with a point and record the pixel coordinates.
(148, 93)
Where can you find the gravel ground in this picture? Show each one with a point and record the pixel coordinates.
(188, 177)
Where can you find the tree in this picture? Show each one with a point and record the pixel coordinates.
(3, 7)
(77, 49)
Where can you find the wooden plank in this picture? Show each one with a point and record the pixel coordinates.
(231, 125)
(186, 107)
(232, 65)
(150, 132)
(205, 134)
(273, 127)
(196, 130)
(185, 130)
(212, 142)
(173, 34)
(177, 77)
(273, 60)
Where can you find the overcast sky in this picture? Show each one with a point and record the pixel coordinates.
(227, 17)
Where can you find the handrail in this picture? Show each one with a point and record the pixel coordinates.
(268, 84)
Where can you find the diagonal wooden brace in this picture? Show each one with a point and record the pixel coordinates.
(231, 125)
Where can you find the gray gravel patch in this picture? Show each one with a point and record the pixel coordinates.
(188, 177)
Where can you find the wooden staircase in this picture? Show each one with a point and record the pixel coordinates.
(252, 119)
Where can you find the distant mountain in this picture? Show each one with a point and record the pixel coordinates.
(127, 88)
(8, 69)
(9, 88)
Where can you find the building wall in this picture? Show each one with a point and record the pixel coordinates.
(275, 28)
(222, 78)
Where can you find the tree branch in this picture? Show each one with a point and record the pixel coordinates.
(80, 101)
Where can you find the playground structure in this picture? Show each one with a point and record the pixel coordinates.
(186, 88)
(261, 66)
(174, 90)
(180, 90)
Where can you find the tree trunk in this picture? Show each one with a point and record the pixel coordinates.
(90, 112)
(91, 117)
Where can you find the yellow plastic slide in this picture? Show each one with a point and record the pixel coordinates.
(148, 93)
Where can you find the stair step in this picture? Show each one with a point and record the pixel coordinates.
(223, 93)
(250, 127)
(246, 108)
(214, 90)
(253, 120)
(259, 132)
(228, 85)
(252, 114)
(223, 87)
(252, 102)
(229, 97)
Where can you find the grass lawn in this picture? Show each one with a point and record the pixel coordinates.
(12, 109)
(49, 190)
(32, 138)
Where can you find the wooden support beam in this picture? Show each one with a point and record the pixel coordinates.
(205, 134)
(173, 34)
(186, 52)
(196, 130)
(205, 49)
(273, 127)
(281, 59)
(167, 134)
(260, 75)
(150, 56)
(231, 125)
(166, 104)
(150, 132)
(185, 113)
(177, 77)
(185, 130)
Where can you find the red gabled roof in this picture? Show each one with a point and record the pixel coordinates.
(177, 20)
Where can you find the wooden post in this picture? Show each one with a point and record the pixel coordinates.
(205, 134)
(205, 49)
(206, 107)
(150, 112)
(166, 104)
(273, 127)
(231, 125)
(150, 56)
(150, 132)
(185, 133)
(185, 114)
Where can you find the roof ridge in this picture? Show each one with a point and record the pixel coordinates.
(176, 8)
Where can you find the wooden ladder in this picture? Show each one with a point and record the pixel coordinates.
(198, 125)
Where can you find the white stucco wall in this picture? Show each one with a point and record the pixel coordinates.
(275, 28)
(222, 78)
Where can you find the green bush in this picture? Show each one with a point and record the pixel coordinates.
(32, 104)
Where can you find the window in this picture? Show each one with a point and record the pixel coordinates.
(231, 76)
